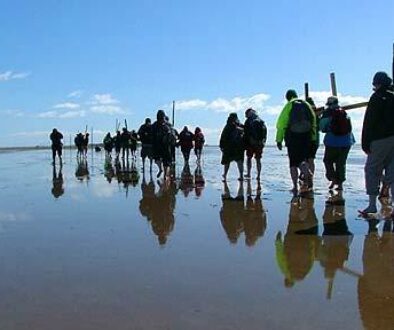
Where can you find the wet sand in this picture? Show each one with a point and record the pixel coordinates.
(97, 247)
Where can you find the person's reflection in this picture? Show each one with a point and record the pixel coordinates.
(109, 171)
(186, 184)
(199, 180)
(336, 240)
(57, 182)
(82, 170)
(376, 286)
(232, 212)
(296, 252)
(162, 212)
(147, 202)
(255, 221)
(126, 174)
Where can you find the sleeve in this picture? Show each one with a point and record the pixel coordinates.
(324, 124)
(368, 125)
(314, 126)
(282, 122)
(223, 138)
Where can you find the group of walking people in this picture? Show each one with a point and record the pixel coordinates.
(298, 126)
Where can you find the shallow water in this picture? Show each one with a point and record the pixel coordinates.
(98, 247)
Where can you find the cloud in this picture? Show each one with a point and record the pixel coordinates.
(224, 105)
(72, 114)
(107, 109)
(105, 104)
(66, 105)
(10, 75)
(48, 114)
(75, 94)
(13, 113)
(104, 99)
(30, 134)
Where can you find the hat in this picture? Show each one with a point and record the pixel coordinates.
(332, 100)
(381, 78)
(160, 114)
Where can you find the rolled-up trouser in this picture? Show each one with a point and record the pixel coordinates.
(335, 163)
(380, 158)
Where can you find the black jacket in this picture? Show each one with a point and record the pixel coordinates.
(379, 118)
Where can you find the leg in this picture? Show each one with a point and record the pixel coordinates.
(294, 177)
(341, 166)
(258, 166)
(248, 166)
(329, 164)
(226, 168)
(240, 165)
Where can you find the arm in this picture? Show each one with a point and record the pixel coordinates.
(368, 124)
(282, 123)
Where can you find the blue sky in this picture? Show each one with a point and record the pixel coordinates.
(68, 64)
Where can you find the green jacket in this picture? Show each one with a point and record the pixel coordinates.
(283, 122)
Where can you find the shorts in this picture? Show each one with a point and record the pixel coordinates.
(147, 151)
(298, 148)
(231, 155)
(254, 151)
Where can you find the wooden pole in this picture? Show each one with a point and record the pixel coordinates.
(306, 89)
(333, 84)
(92, 140)
(173, 113)
(125, 123)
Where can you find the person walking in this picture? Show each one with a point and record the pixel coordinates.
(232, 145)
(186, 143)
(57, 145)
(337, 140)
(199, 141)
(146, 138)
(255, 135)
(108, 143)
(377, 139)
(296, 125)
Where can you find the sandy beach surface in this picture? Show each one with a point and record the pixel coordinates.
(97, 246)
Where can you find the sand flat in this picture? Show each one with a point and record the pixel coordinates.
(97, 247)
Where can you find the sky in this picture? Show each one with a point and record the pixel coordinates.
(75, 63)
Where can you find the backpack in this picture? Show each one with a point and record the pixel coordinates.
(300, 117)
(167, 135)
(258, 134)
(340, 122)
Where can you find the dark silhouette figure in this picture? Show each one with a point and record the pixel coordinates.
(82, 170)
(162, 213)
(335, 244)
(238, 218)
(57, 182)
(186, 184)
(199, 181)
(57, 145)
(296, 252)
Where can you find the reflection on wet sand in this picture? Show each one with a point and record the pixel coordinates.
(82, 170)
(296, 251)
(126, 173)
(57, 182)
(158, 207)
(335, 244)
(237, 217)
(376, 286)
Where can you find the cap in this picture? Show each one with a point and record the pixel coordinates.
(332, 100)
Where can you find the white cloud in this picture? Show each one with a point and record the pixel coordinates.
(31, 134)
(10, 75)
(104, 99)
(75, 94)
(66, 105)
(13, 113)
(224, 105)
(107, 109)
(72, 114)
(48, 114)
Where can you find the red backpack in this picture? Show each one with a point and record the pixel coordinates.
(340, 122)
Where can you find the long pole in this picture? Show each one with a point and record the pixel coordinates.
(173, 113)
(306, 89)
(392, 67)
(92, 140)
(333, 84)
